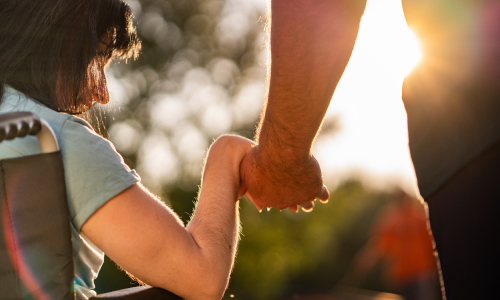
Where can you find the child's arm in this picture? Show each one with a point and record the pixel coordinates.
(147, 239)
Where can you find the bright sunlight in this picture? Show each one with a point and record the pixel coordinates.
(372, 143)
(413, 55)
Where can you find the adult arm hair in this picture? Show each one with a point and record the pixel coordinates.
(311, 43)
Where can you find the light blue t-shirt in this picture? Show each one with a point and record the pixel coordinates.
(94, 174)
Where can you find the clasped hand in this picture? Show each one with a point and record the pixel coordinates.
(281, 181)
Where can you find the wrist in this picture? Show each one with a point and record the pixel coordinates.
(224, 160)
(280, 142)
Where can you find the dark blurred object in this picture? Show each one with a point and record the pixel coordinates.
(453, 107)
(138, 293)
(36, 256)
(18, 124)
(451, 97)
(346, 293)
(464, 217)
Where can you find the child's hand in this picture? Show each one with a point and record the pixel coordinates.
(222, 166)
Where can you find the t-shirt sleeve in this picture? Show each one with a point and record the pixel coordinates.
(94, 171)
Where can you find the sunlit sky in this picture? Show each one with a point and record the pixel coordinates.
(371, 142)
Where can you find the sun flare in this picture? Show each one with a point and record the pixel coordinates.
(385, 39)
(412, 52)
(373, 140)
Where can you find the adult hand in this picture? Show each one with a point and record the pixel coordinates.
(282, 181)
(310, 43)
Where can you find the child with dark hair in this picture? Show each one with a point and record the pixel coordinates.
(53, 54)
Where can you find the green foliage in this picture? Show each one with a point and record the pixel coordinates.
(200, 54)
(112, 278)
(200, 73)
(183, 201)
(283, 252)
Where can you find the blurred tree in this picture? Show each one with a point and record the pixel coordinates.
(284, 253)
(201, 73)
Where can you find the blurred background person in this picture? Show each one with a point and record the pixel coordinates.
(401, 240)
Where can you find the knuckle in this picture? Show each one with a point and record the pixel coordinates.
(232, 141)
(225, 142)
(224, 139)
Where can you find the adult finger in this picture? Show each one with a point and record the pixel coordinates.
(257, 205)
(324, 194)
(307, 206)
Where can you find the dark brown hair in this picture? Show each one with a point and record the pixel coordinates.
(51, 50)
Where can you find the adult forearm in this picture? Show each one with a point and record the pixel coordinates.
(311, 43)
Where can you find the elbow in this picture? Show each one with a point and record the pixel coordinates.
(200, 289)
(212, 284)
(209, 281)
(215, 291)
(208, 288)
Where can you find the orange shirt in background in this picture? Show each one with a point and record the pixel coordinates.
(404, 241)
